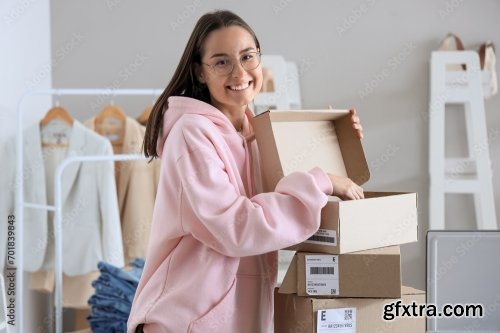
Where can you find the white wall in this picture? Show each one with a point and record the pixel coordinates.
(25, 60)
(340, 46)
(25, 64)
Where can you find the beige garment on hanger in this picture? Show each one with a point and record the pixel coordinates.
(137, 182)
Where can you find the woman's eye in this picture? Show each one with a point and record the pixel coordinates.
(222, 62)
(247, 57)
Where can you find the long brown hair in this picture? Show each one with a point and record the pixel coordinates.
(184, 81)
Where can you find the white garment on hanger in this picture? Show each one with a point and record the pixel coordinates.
(91, 228)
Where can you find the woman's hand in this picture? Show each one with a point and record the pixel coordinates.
(355, 122)
(345, 189)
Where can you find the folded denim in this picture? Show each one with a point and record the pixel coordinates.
(102, 301)
(114, 292)
(132, 275)
(137, 262)
(108, 280)
(104, 312)
(110, 291)
(107, 326)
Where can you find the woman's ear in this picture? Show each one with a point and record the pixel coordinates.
(199, 73)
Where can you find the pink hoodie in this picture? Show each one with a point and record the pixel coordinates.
(212, 262)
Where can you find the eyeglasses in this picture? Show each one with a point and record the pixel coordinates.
(224, 66)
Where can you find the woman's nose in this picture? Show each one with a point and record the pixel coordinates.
(238, 70)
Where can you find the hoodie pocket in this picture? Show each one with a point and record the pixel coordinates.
(220, 318)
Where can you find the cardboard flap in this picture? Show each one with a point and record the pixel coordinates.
(352, 151)
(300, 140)
(289, 284)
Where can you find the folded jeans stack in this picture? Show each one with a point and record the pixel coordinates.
(114, 291)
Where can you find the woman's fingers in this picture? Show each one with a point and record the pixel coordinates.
(356, 194)
(360, 193)
(355, 121)
(356, 124)
(345, 188)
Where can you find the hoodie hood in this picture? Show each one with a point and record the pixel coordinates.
(179, 106)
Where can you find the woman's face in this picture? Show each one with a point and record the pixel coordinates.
(222, 47)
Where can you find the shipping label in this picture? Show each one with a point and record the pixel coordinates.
(341, 320)
(322, 275)
(323, 237)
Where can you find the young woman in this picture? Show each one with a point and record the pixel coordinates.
(212, 262)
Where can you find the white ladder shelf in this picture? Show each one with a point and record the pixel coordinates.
(471, 174)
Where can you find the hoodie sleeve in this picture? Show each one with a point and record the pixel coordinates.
(216, 214)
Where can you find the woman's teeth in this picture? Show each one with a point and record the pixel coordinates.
(240, 87)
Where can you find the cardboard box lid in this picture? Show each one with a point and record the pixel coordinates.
(290, 281)
(309, 138)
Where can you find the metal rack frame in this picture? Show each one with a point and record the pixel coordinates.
(57, 208)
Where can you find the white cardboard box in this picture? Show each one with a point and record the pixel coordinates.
(300, 140)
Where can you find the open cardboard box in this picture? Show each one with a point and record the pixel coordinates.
(370, 273)
(301, 140)
(293, 313)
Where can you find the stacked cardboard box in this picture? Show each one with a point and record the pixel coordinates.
(352, 263)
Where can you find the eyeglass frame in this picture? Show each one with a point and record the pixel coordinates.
(232, 63)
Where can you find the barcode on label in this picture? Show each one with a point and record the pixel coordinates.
(322, 270)
(322, 239)
(348, 314)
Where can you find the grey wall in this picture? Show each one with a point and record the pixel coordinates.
(341, 48)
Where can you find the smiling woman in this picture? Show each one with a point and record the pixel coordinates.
(218, 38)
(232, 72)
(212, 262)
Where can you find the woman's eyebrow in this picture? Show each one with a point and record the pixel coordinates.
(225, 54)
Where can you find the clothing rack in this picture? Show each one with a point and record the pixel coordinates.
(57, 208)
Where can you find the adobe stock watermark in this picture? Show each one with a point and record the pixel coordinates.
(60, 54)
(392, 65)
(18, 11)
(478, 149)
(450, 7)
(439, 101)
(354, 16)
(304, 65)
(29, 169)
(303, 152)
(68, 220)
(281, 5)
(112, 4)
(489, 310)
(11, 271)
(123, 75)
(461, 250)
(185, 14)
(389, 153)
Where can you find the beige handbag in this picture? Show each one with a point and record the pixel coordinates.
(452, 43)
(487, 59)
